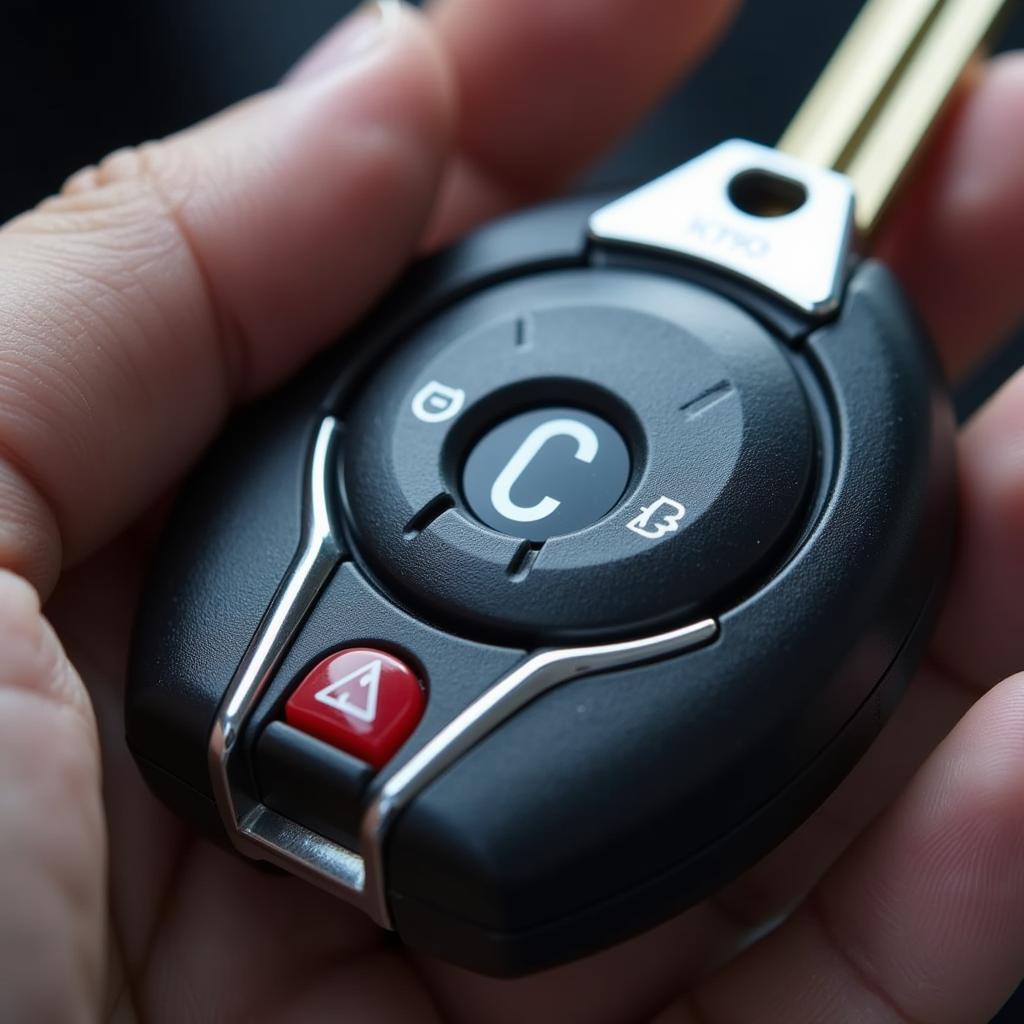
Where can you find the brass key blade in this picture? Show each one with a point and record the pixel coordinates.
(882, 92)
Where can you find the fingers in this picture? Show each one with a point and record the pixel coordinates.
(981, 634)
(931, 708)
(923, 919)
(52, 840)
(545, 87)
(93, 609)
(958, 240)
(196, 270)
(624, 983)
(257, 946)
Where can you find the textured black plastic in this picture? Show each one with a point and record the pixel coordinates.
(637, 904)
(311, 782)
(614, 800)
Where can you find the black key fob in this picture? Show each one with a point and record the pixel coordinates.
(572, 581)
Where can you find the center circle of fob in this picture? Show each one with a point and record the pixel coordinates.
(588, 453)
(546, 473)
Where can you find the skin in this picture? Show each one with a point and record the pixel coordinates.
(143, 302)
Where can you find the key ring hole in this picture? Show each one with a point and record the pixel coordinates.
(763, 194)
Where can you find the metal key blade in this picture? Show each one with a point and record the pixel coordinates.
(882, 92)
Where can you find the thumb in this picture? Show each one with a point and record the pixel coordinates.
(52, 836)
(178, 277)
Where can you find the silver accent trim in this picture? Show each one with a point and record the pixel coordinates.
(317, 557)
(307, 854)
(262, 833)
(799, 257)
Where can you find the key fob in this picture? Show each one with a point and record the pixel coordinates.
(572, 581)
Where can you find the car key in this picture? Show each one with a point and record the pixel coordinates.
(573, 580)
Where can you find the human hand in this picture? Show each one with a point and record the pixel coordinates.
(181, 278)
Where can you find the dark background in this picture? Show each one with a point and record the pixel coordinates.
(79, 80)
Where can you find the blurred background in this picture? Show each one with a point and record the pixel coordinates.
(83, 79)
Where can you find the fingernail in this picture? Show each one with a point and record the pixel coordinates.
(359, 33)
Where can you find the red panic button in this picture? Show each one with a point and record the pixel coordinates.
(364, 701)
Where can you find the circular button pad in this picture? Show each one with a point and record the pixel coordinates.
(578, 453)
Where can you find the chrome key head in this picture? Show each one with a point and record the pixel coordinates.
(777, 223)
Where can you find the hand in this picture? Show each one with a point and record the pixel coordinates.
(180, 278)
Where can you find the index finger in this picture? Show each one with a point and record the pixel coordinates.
(957, 240)
(544, 88)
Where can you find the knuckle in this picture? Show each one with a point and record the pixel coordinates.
(132, 186)
(126, 166)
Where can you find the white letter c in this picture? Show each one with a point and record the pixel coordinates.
(501, 491)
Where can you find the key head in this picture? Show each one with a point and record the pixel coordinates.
(755, 506)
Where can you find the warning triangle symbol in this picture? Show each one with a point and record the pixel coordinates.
(355, 693)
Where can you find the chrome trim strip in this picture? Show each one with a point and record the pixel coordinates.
(305, 853)
(264, 834)
(317, 556)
